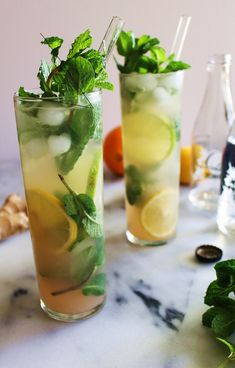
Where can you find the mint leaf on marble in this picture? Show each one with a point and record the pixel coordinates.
(220, 296)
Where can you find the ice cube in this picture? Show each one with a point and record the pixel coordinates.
(59, 144)
(172, 81)
(89, 98)
(36, 147)
(160, 94)
(140, 82)
(51, 114)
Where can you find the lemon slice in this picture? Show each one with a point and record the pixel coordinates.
(148, 138)
(159, 214)
(52, 229)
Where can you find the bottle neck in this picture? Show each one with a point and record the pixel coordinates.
(218, 89)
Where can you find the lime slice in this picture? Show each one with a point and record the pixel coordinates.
(53, 231)
(159, 214)
(93, 174)
(148, 138)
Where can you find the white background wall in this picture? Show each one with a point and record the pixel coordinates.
(21, 21)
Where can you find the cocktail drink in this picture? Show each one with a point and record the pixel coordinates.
(64, 197)
(60, 137)
(151, 119)
(151, 106)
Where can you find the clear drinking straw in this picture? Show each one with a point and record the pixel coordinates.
(111, 36)
(180, 35)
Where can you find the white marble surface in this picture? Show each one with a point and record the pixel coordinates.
(152, 317)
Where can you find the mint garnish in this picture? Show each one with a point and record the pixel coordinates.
(220, 297)
(145, 55)
(81, 72)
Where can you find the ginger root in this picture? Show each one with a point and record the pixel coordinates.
(13, 216)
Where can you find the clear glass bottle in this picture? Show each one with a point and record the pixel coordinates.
(210, 133)
(226, 204)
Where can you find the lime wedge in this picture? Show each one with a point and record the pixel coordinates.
(148, 138)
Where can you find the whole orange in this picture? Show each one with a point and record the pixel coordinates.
(113, 154)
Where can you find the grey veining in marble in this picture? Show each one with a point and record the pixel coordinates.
(152, 317)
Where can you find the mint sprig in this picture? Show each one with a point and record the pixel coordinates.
(81, 72)
(145, 55)
(220, 317)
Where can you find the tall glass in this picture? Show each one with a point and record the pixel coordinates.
(61, 157)
(151, 116)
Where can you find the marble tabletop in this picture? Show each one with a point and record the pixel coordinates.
(152, 317)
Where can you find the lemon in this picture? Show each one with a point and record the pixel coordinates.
(159, 214)
(52, 229)
(185, 165)
(148, 138)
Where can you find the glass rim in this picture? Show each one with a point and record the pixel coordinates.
(155, 74)
(220, 59)
(39, 97)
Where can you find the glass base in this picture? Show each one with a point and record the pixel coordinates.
(204, 199)
(143, 243)
(70, 317)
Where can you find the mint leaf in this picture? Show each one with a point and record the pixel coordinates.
(92, 227)
(23, 93)
(83, 126)
(159, 53)
(43, 74)
(125, 43)
(82, 208)
(174, 66)
(87, 204)
(82, 42)
(223, 324)
(69, 204)
(96, 285)
(101, 81)
(133, 192)
(89, 221)
(220, 295)
(134, 184)
(55, 44)
(80, 75)
(84, 264)
(209, 315)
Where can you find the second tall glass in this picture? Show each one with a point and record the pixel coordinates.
(151, 119)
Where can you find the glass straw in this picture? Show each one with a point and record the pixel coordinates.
(180, 35)
(111, 36)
